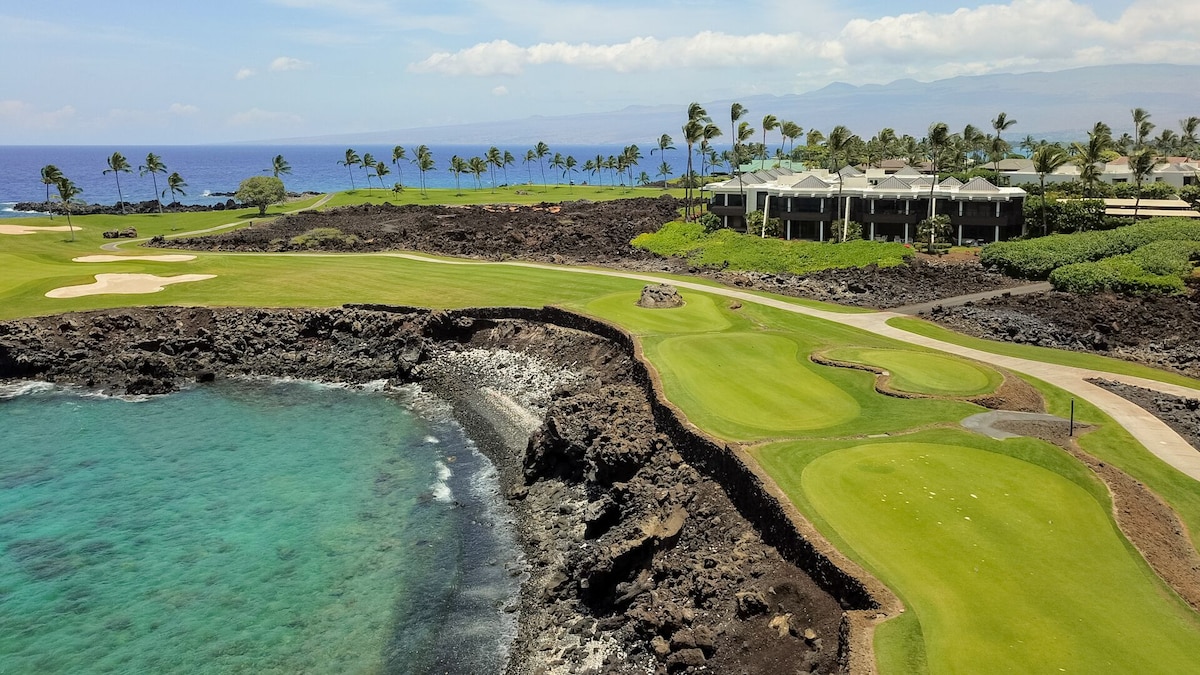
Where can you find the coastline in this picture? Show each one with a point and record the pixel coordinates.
(649, 547)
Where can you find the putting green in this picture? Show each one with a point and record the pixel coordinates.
(1009, 567)
(699, 314)
(925, 373)
(753, 386)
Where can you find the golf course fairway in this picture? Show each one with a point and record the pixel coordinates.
(925, 373)
(1009, 566)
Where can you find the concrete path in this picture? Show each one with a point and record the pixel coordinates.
(972, 297)
(1151, 432)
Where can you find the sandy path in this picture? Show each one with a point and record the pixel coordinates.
(125, 284)
(133, 258)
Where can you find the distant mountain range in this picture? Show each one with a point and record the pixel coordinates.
(1055, 105)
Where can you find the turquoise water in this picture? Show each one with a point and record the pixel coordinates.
(246, 527)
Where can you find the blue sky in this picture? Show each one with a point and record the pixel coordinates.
(136, 71)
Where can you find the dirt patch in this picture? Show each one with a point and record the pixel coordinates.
(1163, 332)
(1149, 524)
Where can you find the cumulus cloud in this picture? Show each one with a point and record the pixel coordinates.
(285, 63)
(500, 91)
(257, 116)
(182, 109)
(988, 38)
(23, 115)
(243, 74)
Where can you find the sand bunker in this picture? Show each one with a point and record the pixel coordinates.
(139, 258)
(27, 229)
(125, 284)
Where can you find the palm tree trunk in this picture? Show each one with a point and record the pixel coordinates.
(120, 198)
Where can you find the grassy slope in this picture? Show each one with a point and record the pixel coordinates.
(705, 351)
(1043, 354)
(922, 373)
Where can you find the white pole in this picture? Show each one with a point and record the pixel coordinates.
(766, 212)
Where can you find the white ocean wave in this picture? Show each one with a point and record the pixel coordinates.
(16, 389)
(441, 489)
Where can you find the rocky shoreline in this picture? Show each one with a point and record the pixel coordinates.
(650, 547)
(148, 206)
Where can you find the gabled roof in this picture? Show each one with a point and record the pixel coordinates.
(1015, 164)
(950, 182)
(979, 184)
(907, 171)
(812, 183)
(921, 180)
(893, 183)
(849, 171)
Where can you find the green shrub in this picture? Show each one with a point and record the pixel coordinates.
(1149, 191)
(749, 252)
(853, 231)
(754, 223)
(1118, 275)
(1064, 215)
(1037, 258)
(1190, 194)
(325, 237)
(711, 221)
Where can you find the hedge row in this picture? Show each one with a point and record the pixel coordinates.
(735, 251)
(1037, 258)
(1154, 269)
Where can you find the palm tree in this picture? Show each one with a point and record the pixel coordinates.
(67, 192)
(643, 179)
(50, 176)
(998, 148)
(769, 123)
(590, 167)
(280, 166)
(1141, 165)
(530, 158)
(1000, 124)
(1047, 159)
(665, 171)
(458, 167)
(175, 186)
(736, 112)
(368, 165)
(791, 131)
(153, 166)
(632, 154)
(381, 170)
(399, 153)
(352, 160)
(838, 143)
(693, 132)
(937, 138)
(477, 166)
(494, 158)
(1089, 156)
(664, 144)
(558, 163)
(541, 150)
(424, 162)
(1166, 142)
(507, 161)
(117, 164)
(1187, 137)
(570, 165)
(1029, 145)
(1142, 126)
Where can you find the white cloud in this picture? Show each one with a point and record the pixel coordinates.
(183, 109)
(286, 63)
(257, 116)
(1018, 35)
(500, 91)
(243, 74)
(22, 115)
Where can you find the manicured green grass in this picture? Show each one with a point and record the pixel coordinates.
(1023, 568)
(1001, 560)
(529, 194)
(1043, 354)
(924, 373)
(726, 248)
(700, 313)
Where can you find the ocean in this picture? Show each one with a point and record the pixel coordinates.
(209, 169)
(256, 526)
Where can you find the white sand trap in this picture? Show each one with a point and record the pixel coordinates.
(26, 229)
(125, 284)
(143, 258)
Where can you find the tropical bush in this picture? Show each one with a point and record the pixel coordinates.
(754, 223)
(1064, 215)
(1190, 194)
(1154, 269)
(325, 238)
(1149, 191)
(1037, 258)
(710, 221)
(749, 252)
(934, 234)
(853, 231)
